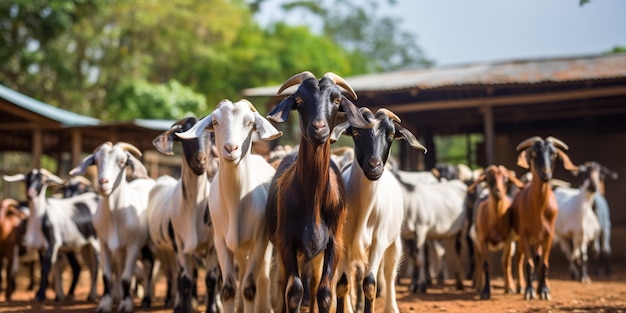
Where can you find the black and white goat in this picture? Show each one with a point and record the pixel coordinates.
(58, 225)
(375, 208)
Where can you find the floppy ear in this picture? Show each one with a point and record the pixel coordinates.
(280, 113)
(522, 159)
(480, 179)
(84, 164)
(403, 133)
(567, 163)
(197, 129)
(14, 178)
(138, 170)
(165, 141)
(51, 178)
(339, 130)
(266, 130)
(513, 178)
(353, 114)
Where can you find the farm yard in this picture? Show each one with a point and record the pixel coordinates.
(605, 294)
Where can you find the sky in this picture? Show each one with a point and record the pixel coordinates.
(468, 31)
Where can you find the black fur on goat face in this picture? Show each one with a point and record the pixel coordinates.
(195, 150)
(372, 145)
(540, 156)
(318, 102)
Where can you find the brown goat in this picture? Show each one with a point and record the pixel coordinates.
(10, 219)
(306, 208)
(535, 209)
(493, 225)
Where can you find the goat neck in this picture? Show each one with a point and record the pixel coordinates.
(314, 169)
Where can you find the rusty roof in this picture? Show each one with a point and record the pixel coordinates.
(529, 71)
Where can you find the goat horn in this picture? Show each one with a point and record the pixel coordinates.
(108, 143)
(252, 108)
(390, 114)
(526, 143)
(557, 142)
(11, 202)
(341, 82)
(295, 80)
(128, 147)
(82, 179)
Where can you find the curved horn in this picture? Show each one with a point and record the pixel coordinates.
(341, 82)
(526, 143)
(82, 179)
(558, 143)
(130, 148)
(390, 114)
(108, 143)
(252, 108)
(295, 80)
(52, 177)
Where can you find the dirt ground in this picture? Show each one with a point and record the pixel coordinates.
(604, 294)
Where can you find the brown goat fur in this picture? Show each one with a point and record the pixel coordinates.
(493, 225)
(10, 219)
(535, 209)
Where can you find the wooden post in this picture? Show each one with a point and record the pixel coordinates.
(77, 147)
(37, 148)
(489, 130)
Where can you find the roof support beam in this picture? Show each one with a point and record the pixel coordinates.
(509, 100)
(489, 132)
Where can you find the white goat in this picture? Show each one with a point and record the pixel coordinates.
(57, 225)
(178, 217)
(237, 199)
(120, 220)
(576, 224)
(432, 211)
(375, 208)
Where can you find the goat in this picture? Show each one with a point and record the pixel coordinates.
(576, 224)
(58, 225)
(535, 210)
(602, 244)
(178, 216)
(432, 212)
(375, 208)
(493, 229)
(120, 219)
(10, 219)
(237, 201)
(306, 206)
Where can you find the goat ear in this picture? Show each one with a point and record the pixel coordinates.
(197, 129)
(266, 130)
(138, 169)
(522, 159)
(473, 185)
(280, 113)
(567, 163)
(354, 114)
(513, 178)
(403, 133)
(14, 178)
(84, 164)
(165, 143)
(339, 130)
(51, 178)
(604, 170)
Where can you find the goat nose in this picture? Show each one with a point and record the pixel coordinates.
(201, 158)
(318, 124)
(103, 181)
(229, 147)
(374, 162)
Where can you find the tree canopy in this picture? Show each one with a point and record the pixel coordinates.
(118, 60)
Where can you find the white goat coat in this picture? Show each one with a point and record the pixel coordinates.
(576, 220)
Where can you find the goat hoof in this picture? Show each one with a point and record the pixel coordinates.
(485, 296)
(529, 294)
(146, 302)
(510, 291)
(41, 296)
(544, 293)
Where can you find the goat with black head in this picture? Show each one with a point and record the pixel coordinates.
(535, 210)
(306, 207)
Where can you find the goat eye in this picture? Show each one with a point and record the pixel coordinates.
(299, 101)
(337, 101)
(214, 123)
(355, 133)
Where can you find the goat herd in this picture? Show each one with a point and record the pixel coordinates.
(304, 226)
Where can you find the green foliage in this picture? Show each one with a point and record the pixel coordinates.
(172, 100)
(456, 149)
(616, 49)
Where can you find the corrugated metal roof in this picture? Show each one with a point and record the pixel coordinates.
(63, 117)
(530, 71)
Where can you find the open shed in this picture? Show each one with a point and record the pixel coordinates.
(580, 100)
